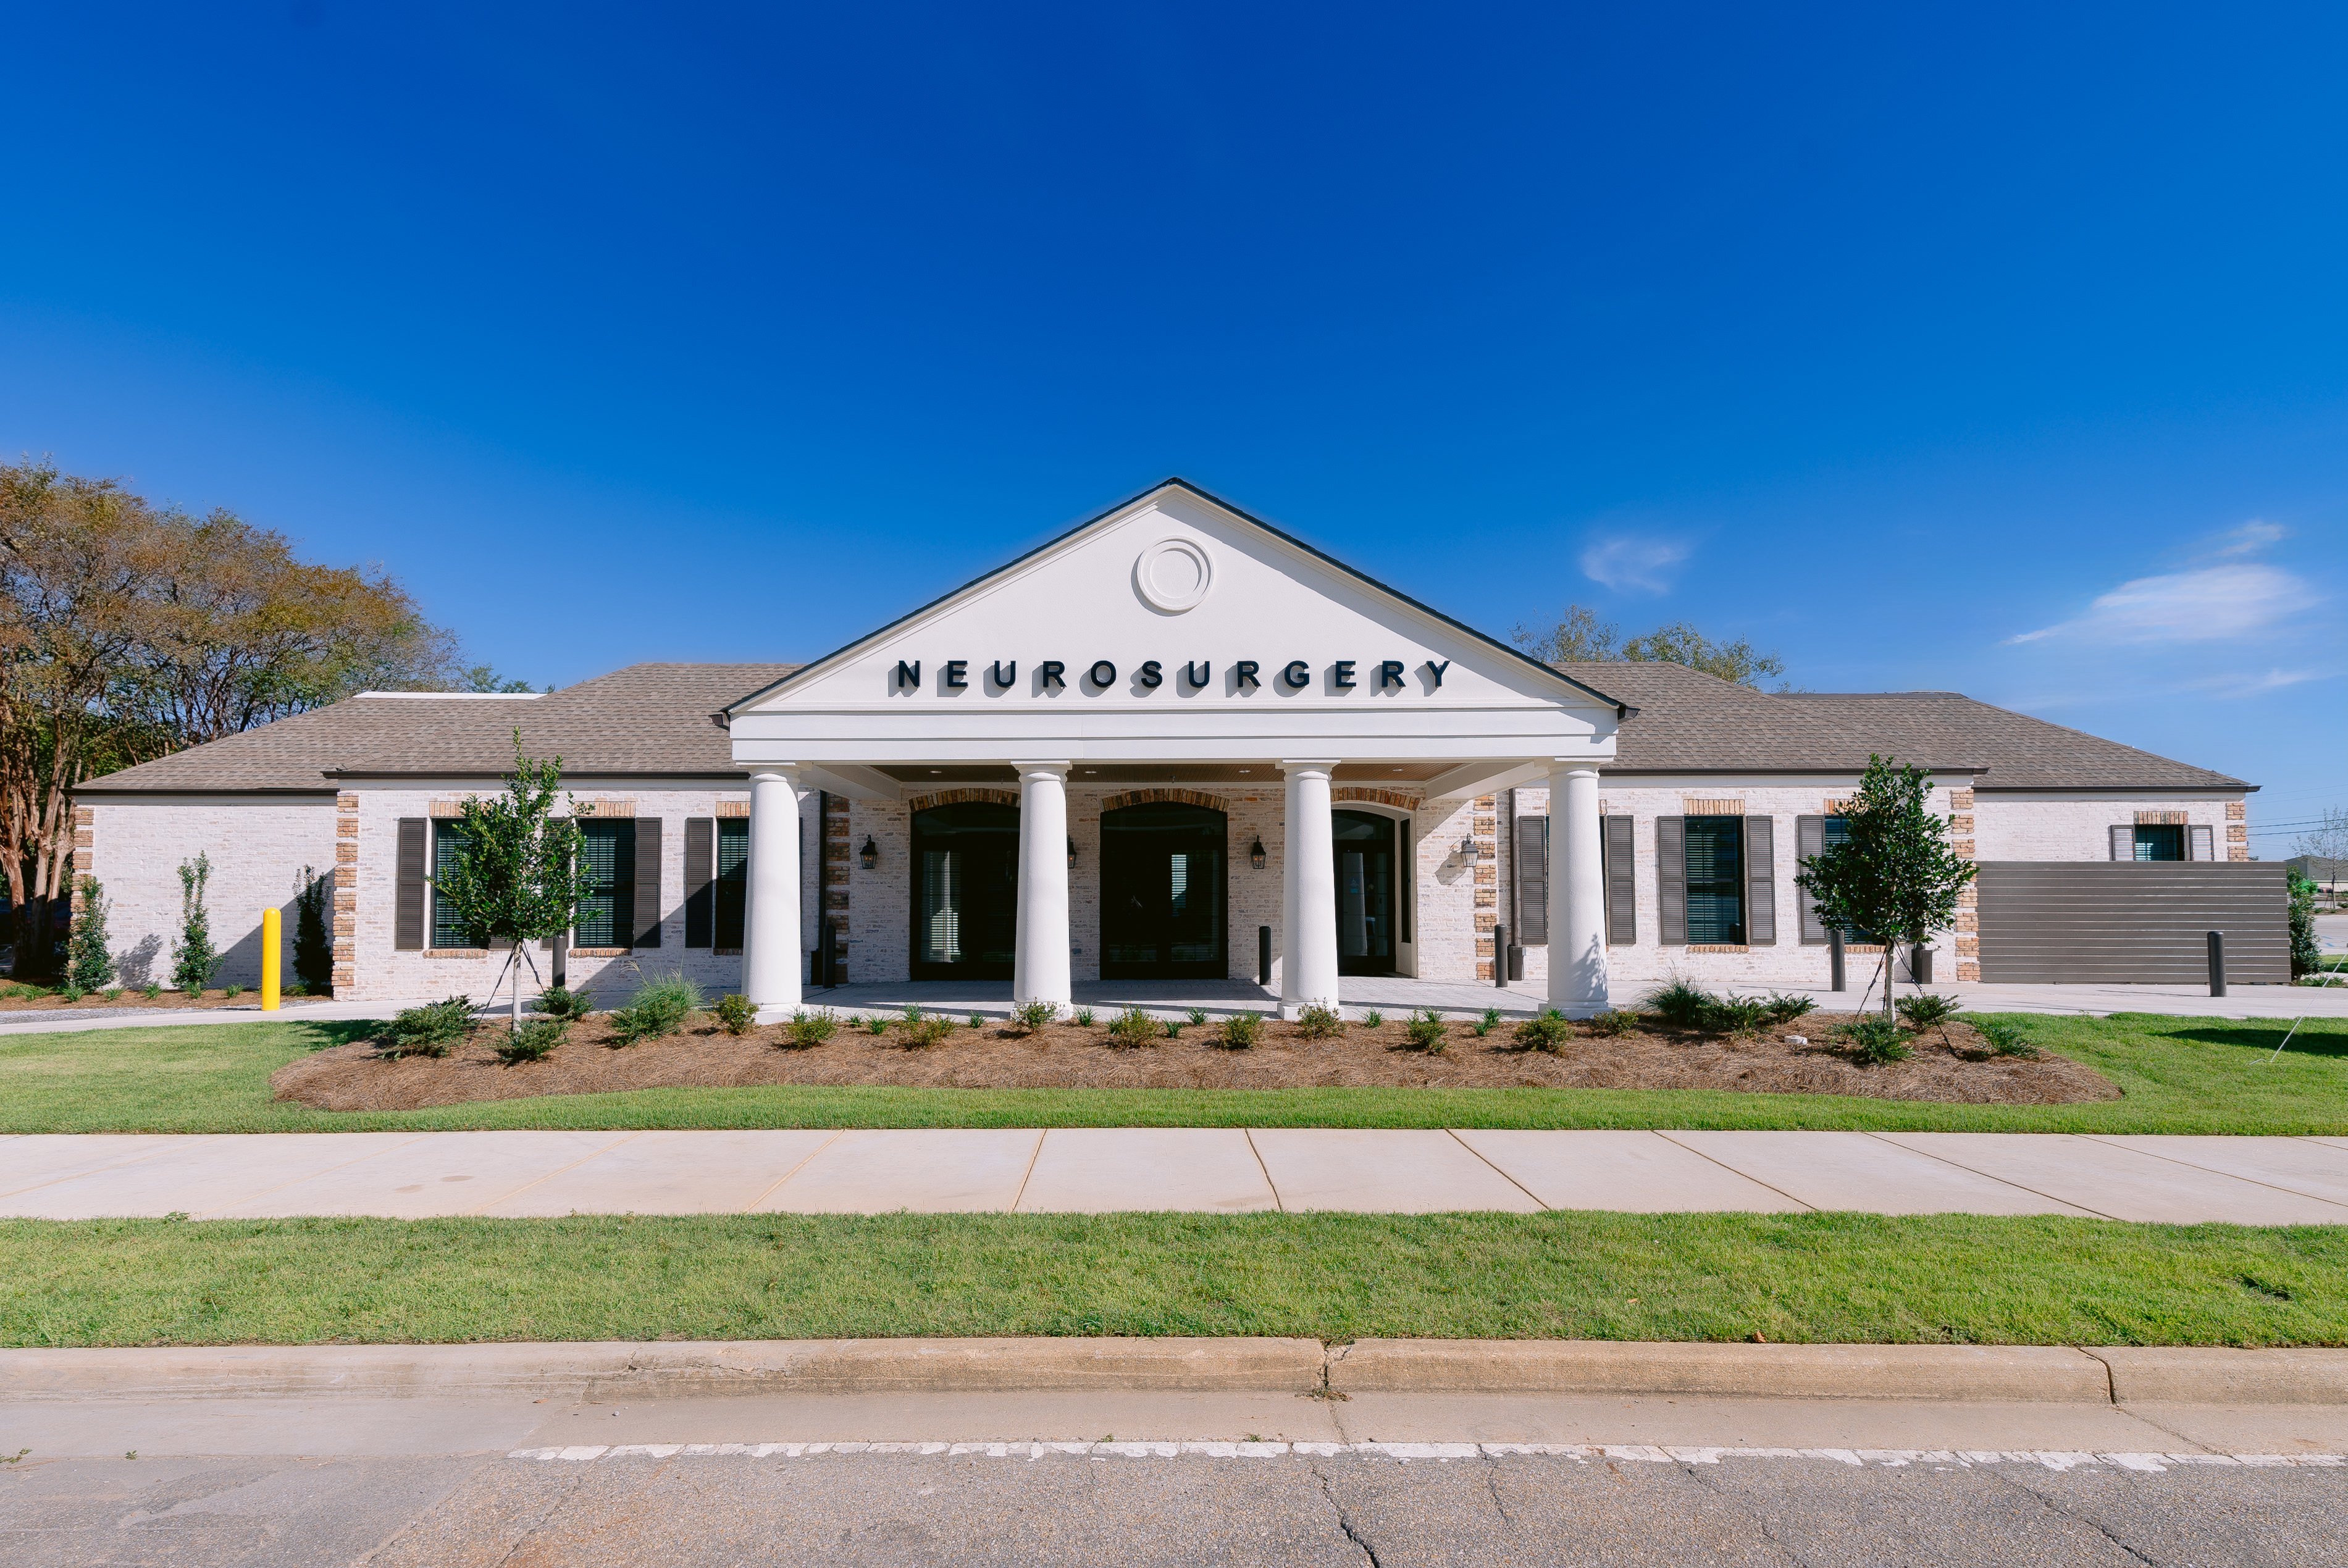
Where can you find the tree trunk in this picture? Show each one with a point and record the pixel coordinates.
(513, 971)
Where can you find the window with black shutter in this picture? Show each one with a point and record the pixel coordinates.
(1532, 881)
(449, 846)
(733, 884)
(1715, 881)
(607, 914)
(700, 893)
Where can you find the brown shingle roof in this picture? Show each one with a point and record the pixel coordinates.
(643, 719)
(2015, 750)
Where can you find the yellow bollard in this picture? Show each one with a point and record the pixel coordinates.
(272, 935)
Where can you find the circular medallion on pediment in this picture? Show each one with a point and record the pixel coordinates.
(1174, 575)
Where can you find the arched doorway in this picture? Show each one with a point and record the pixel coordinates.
(1368, 892)
(1162, 893)
(965, 894)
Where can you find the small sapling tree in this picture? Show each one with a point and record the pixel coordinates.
(314, 950)
(195, 960)
(88, 964)
(520, 876)
(1894, 874)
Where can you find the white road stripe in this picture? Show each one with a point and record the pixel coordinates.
(1581, 1453)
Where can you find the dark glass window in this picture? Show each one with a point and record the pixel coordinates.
(733, 878)
(607, 915)
(2159, 841)
(448, 843)
(1715, 881)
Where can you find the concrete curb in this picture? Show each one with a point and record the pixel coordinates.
(2032, 1373)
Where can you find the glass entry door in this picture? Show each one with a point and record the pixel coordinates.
(966, 898)
(1162, 893)
(1364, 846)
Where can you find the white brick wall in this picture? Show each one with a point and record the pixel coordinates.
(2033, 827)
(257, 845)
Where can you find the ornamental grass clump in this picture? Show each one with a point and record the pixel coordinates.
(807, 1029)
(1735, 1016)
(876, 1025)
(534, 1041)
(1030, 1017)
(428, 1030)
(1320, 1022)
(1614, 1023)
(1681, 1004)
(736, 1014)
(1426, 1031)
(1241, 1031)
(1082, 1017)
(1197, 1015)
(1547, 1030)
(1373, 1019)
(2005, 1039)
(1133, 1028)
(1487, 1024)
(920, 1032)
(1784, 1007)
(660, 1008)
(1875, 1039)
(561, 1001)
(1924, 1009)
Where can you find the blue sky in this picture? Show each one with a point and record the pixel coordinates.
(2000, 350)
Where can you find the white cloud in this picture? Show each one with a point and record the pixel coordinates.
(2251, 536)
(2247, 684)
(1627, 562)
(2216, 604)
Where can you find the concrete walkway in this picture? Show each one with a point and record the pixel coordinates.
(405, 1175)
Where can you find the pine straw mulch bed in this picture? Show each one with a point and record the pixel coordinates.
(1950, 1062)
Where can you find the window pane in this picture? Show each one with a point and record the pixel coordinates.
(940, 907)
(733, 878)
(1715, 881)
(2160, 843)
(607, 914)
(448, 853)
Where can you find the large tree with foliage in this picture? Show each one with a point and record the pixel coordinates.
(1893, 873)
(128, 630)
(520, 876)
(1579, 636)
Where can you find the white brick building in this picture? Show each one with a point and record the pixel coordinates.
(1164, 694)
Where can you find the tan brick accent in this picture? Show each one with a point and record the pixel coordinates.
(957, 796)
(347, 890)
(1961, 800)
(1968, 920)
(1696, 805)
(1835, 805)
(1962, 822)
(1969, 897)
(2237, 810)
(1968, 947)
(2238, 841)
(601, 952)
(1963, 846)
(1399, 801)
(731, 808)
(456, 808)
(1729, 946)
(1968, 970)
(626, 808)
(1118, 802)
(2162, 818)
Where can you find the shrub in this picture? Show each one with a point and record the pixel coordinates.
(1924, 1010)
(2306, 955)
(660, 1008)
(194, 961)
(1197, 1015)
(1029, 1016)
(920, 1034)
(1173, 1028)
(151, 991)
(1681, 1004)
(1488, 1023)
(807, 1030)
(876, 1025)
(736, 1014)
(2004, 1038)
(534, 1041)
(1318, 1022)
(314, 950)
(1373, 1019)
(113, 992)
(87, 962)
(1082, 1017)
(912, 1014)
(71, 992)
(1547, 1030)
(1241, 1031)
(428, 1030)
(1783, 1008)
(977, 1021)
(231, 991)
(1614, 1022)
(559, 1001)
(1735, 1016)
(1875, 1040)
(1427, 1030)
(1133, 1028)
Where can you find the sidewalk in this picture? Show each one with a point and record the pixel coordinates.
(404, 1175)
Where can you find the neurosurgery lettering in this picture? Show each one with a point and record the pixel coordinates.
(1239, 677)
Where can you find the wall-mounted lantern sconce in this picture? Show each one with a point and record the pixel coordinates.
(1468, 851)
(1255, 854)
(869, 854)
(1072, 851)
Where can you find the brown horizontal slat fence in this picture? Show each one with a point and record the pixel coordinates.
(2087, 922)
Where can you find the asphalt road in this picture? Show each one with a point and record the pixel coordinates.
(1348, 1508)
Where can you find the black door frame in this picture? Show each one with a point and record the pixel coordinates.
(972, 970)
(1216, 968)
(1397, 839)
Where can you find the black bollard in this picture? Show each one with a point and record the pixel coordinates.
(1264, 955)
(1833, 961)
(1500, 956)
(826, 960)
(2217, 964)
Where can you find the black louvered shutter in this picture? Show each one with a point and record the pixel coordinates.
(2123, 841)
(648, 882)
(1532, 880)
(407, 902)
(1760, 882)
(1809, 839)
(1621, 885)
(2204, 844)
(700, 885)
(1671, 881)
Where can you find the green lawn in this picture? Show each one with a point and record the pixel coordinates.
(2180, 1075)
(1820, 1277)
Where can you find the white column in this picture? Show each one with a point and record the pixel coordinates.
(1308, 892)
(1039, 972)
(771, 958)
(1577, 893)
